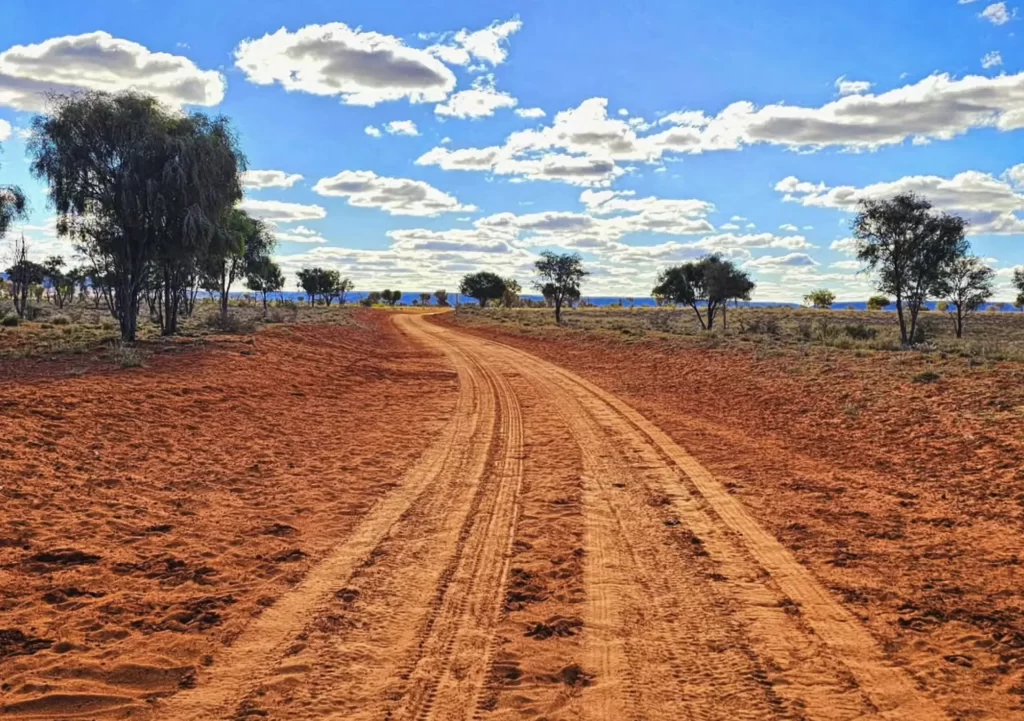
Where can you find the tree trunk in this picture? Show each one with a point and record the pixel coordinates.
(959, 322)
(903, 322)
(558, 311)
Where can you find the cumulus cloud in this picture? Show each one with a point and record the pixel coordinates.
(770, 263)
(488, 45)
(372, 131)
(401, 127)
(99, 61)
(788, 227)
(480, 101)
(992, 60)
(396, 196)
(299, 234)
(990, 204)
(276, 211)
(362, 68)
(530, 112)
(846, 246)
(259, 179)
(852, 87)
(5, 130)
(1016, 175)
(938, 107)
(997, 13)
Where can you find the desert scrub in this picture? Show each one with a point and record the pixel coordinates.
(127, 356)
(60, 319)
(10, 320)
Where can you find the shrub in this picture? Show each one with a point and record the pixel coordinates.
(230, 324)
(10, 320)
(859, 331)
(127, 356)
(60, 319)
(878, 302)
(821, 298)
(926, 377)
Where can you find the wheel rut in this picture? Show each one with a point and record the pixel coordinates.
(687, 608)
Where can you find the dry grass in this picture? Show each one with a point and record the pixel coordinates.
(988, 336)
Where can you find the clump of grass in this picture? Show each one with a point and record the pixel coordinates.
(128, 356)
(10, 320)
(926, 377)
(231, 324)
(60, 319)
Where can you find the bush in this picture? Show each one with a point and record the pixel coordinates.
(859, 331)
(60, 320)
(127, 356)
(231, 324)
(10, 320)
(926, 377)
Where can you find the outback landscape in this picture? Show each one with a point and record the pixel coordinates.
(637, 456)
(447, 515)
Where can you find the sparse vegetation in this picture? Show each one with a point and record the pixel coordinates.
(560, 278)
(820, 298)
(708, 283)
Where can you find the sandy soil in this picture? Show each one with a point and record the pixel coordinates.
(906, 499)
(147, 515)
(436, 526)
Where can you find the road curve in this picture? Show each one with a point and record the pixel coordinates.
(685, 608)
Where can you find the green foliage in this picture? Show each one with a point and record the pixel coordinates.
(323, 285)
(966, 285)
(821, 298)
(10, 320)
(441, 296)
(878, 302)
(264, 276)
(140, 188)
(391, 297)
(910, 248)
(13, 207)
(711, 282)
(859, 331)
(425, 298)
(560, 278)
(483, 287)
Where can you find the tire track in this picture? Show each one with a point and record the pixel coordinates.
(824, 634)
(263, 648)
(449, 675)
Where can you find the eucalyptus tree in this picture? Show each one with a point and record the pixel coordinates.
(910, 248)
(560, 278)
(264, 277)
(138, 187)
(239, 244)
(710, 282)
(965, 287)
(13, 207)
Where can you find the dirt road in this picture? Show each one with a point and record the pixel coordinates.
(552, 555)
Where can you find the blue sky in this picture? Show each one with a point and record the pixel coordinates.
(669, 129)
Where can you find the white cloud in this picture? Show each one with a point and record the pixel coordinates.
(623, 112)
(992, 60)
(789, 228)
(99, 61)
(1016, 175)
(5, 130)
(480, 101)
(530, 112)
(938, 107)
(397, 196)
(259, 179)
(730, 226)
(847, 265)
(278, 212)
(771, 263)
(486, 45)
(363, 68)
(990, 204)
(372, 131)
(299, 234)
(401, 127)
(852, 87)
(997, 14)
(846, 246)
